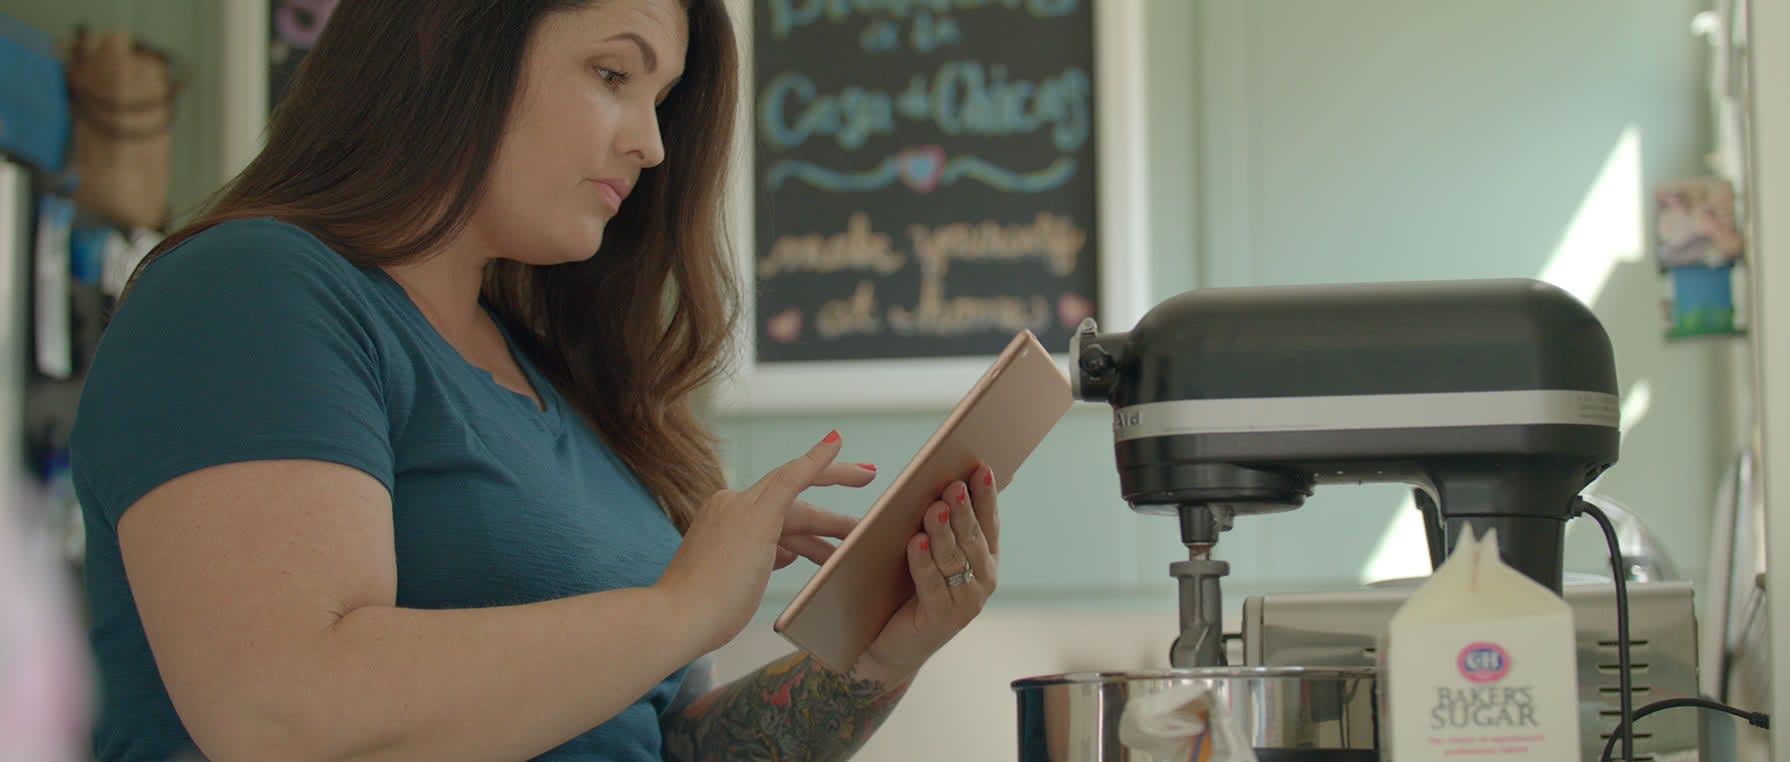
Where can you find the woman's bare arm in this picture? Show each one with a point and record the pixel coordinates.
(267, 592)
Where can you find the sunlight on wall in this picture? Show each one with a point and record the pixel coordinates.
(1607, 230)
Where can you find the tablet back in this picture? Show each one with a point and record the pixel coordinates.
(1000, 422)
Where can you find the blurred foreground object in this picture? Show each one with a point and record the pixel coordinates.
(44, 671)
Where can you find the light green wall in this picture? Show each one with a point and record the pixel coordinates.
(1299, 142)
(1294, 141)
(1402, 139)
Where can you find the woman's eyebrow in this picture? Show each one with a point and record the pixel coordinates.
(646, 50)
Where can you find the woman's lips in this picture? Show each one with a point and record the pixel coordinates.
(613, 192)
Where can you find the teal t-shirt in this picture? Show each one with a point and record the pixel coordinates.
(253, 340)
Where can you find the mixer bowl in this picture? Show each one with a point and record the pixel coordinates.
(1289, 714)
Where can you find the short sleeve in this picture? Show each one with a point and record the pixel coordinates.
(249, 341)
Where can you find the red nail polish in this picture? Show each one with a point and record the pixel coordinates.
(944, 516)
(867, 466)
(988, 478)
(963, 494)
(925, 543)
(832, 436)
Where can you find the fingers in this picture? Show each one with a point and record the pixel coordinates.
(807, 546)
(846, 474)
(929, 582)
(947, 553)
(806, 518)
(781, 486)
(983, 498)
(785, 557)
(959, 540)
(964, 524)
(805, 527)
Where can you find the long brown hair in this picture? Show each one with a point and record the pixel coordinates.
(380, 148)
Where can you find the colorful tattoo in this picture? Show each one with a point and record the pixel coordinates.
(792, 709)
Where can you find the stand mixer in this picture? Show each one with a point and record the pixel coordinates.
(1495, 400)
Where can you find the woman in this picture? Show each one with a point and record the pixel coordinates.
(380, 461)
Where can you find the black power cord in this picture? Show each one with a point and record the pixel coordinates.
(1625, 725)
(1757, 719)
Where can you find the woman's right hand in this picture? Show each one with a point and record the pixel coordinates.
(721, 569)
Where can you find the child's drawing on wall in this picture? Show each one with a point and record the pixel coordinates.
(1698, 243)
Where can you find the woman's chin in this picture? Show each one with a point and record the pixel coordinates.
(568, 242)
(563, 255)
(593, 236)
(583, 245)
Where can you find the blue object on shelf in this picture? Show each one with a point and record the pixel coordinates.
(87, 252)
(34, 110)
(1702, 300)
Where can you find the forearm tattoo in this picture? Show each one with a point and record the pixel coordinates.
(792, 710)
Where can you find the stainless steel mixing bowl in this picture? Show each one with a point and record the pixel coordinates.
(1289, 714)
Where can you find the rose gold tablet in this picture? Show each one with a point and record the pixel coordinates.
(1002, 419)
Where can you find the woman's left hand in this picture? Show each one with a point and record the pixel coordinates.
(953, 564)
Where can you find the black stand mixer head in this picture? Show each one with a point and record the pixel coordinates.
(1496, 400)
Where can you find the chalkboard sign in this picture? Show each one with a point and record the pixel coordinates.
(925, 177)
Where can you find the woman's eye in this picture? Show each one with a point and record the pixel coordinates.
(612, 76)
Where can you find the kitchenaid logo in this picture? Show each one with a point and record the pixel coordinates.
(1128, 418)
